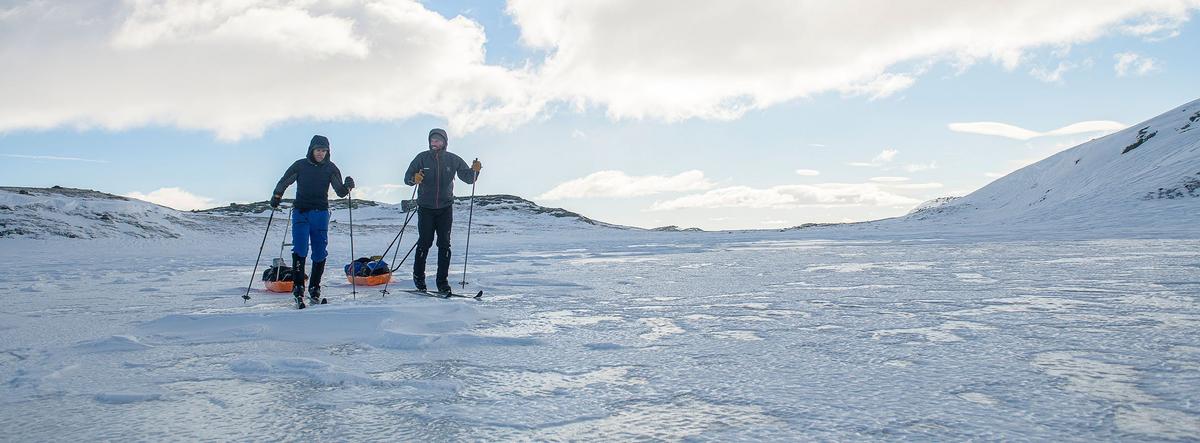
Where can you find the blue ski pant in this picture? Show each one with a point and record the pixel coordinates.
(310, 225)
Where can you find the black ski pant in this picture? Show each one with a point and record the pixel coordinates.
(430, 222)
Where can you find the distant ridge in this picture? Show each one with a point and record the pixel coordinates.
(60, 212)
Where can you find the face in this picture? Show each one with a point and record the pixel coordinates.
(320, 153)
(437, 143)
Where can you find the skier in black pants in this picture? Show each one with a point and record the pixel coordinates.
(433, 172)
(313, 176)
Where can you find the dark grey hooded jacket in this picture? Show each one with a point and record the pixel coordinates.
(440, 167)
(313, 179)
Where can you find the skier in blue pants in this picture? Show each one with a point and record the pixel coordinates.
(313, 175)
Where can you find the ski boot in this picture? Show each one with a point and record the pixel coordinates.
(314, 284)
(314, 296)
(419, 282)
(298, 292)
(298, 280)
(444, 288)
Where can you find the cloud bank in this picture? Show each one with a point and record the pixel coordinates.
(176, 198)
(1019, 133)
(236, 68)
(617, 184)
(795, 196)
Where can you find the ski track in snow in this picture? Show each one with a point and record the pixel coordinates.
(680, 336)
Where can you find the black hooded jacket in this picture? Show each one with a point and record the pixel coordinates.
(440, 168)
(313, 179)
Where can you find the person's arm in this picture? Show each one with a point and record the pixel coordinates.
(335, 180)
(466, 173)
(288, 178)
(413, 167)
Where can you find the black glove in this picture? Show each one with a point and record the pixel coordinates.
(275, 200)
(349, 182)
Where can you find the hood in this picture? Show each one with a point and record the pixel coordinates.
(441, 132)
(318, 141)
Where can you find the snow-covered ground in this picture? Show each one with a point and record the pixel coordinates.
(620, 335)
(1060, 303)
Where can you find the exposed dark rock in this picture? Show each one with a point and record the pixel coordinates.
(1143, 136)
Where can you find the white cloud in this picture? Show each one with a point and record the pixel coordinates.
(1156, 28)
(884, 157)
(237, 68)
(53, 158)
(175, 198)
(386, 193)
(672, 60)
(917, 167)
(577, 134)
(1130, 63)
(881, 87)
(817, 145)
(1019, 133)
(1052, 76)
(794, 196)
(888, 179)
(808, 172)
(620, 184)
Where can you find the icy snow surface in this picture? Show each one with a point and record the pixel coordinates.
(620, 335)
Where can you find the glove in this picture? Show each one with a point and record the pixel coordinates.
(275, 200)
(418, 177)
(476, 166)
(349, 183)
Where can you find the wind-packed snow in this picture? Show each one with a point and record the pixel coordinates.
(996, 316)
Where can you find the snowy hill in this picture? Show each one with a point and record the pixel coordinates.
(1147, 175)
(81, 213)
(491, 213)
(42, 213)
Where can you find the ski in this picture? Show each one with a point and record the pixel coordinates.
(477, 296)
(425, 293)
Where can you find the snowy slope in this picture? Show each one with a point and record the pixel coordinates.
(78, 213)
(1146, 175)
(42, 213)
(492, 213)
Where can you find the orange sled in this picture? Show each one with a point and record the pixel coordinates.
(279, 286)
(373, 280)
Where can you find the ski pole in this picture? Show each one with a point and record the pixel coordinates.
(254, 273)
(284, 243)
(353, 281)
(399, 235)
(470, 215)
(384, 291)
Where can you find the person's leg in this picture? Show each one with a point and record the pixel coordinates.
(299, 250)
(425, 224)
(445, 220)
(318, 222)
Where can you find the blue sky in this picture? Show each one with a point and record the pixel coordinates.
(679, 113)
